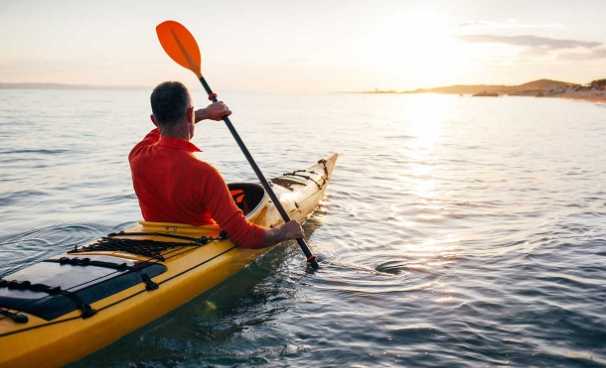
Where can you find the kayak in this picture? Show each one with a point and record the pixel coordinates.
(63, 308)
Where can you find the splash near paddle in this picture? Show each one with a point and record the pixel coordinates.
(182, 47)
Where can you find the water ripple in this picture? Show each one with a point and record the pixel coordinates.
(456, 233)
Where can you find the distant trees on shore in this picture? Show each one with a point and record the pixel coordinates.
(599, 84)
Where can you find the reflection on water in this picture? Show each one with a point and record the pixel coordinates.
(457, 231)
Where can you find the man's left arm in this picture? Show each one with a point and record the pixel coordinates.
(215, 111)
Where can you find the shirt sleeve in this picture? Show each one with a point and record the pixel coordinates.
(150, 138)
(218, 201)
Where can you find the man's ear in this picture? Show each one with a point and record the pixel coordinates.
(153, 119)
(190, 114)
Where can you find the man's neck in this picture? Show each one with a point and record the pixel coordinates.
(175, 133)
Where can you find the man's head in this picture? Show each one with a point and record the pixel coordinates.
(172, 110)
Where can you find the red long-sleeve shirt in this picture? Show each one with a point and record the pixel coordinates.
(172, 185)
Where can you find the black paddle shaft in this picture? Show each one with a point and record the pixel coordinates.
(310, 257)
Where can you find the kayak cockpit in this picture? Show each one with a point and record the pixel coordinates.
(249, 197)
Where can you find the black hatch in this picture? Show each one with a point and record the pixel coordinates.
(57, 286)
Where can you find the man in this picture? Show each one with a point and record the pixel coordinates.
(172, 185)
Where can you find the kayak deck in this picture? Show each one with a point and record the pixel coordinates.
(106, 293)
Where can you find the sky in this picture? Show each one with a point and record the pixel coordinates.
(306, 46)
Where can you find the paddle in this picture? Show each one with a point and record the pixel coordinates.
(182, 47)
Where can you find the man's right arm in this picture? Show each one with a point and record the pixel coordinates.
(218, 201)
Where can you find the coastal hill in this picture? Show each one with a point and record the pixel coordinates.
(593, 91)
(534, 88)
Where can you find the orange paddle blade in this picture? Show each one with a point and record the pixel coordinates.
(180, 45)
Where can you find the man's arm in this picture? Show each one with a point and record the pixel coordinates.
(215, 111)
(230, 218)
(288, 231)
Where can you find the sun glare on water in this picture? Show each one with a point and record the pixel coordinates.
(425, 118)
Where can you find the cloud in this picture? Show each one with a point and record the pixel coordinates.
(591, 55)
(537, 42)
(509, 24)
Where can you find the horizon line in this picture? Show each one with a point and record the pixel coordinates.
(54, 85)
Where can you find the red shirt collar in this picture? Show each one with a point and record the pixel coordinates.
(178, 144)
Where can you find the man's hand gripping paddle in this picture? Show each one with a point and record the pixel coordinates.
(182, 47)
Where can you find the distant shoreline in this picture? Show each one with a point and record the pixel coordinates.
(597, 98)
(595, 91)
(539, 88)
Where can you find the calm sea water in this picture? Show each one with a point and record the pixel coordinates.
(458, 231)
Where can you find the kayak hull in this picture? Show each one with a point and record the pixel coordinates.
(190, 271)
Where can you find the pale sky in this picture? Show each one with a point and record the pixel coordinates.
(306, 46)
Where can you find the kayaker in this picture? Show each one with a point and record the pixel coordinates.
(172, 185)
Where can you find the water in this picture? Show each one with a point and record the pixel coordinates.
(458, 231)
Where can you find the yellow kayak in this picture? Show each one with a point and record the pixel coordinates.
(61, 309)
